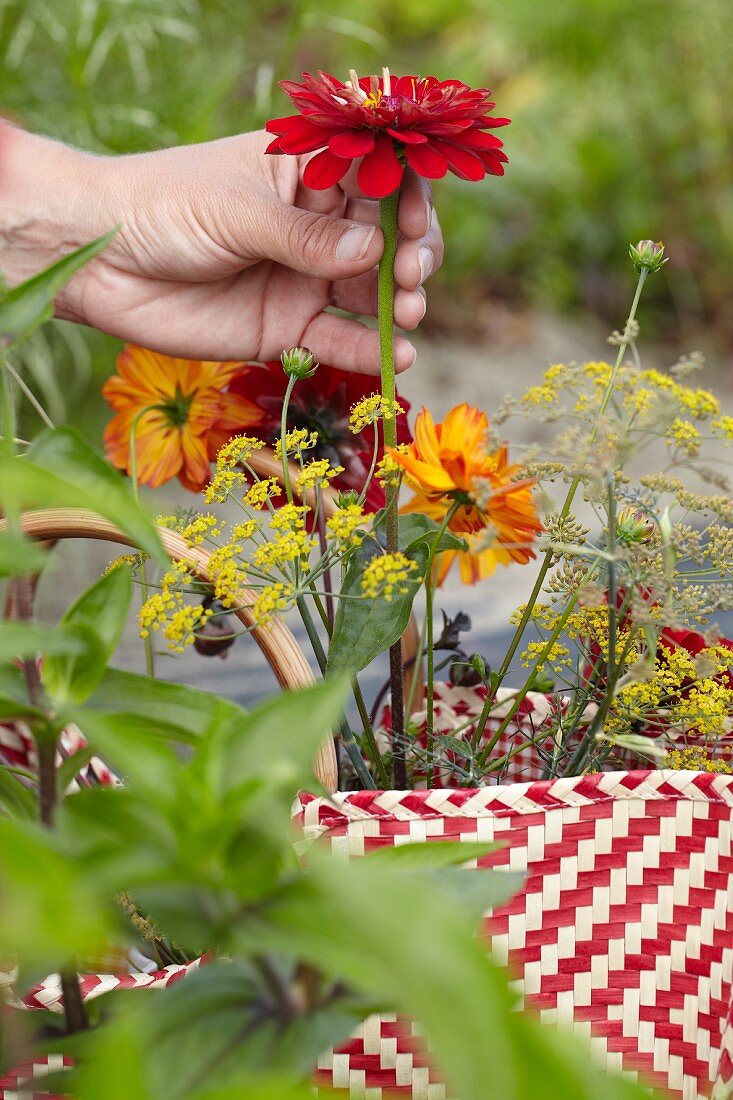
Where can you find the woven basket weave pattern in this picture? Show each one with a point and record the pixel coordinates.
(624, 929)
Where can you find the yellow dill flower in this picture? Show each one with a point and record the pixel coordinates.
(160, 607)
(258, 494)
(388, 471)
(370, 409)
(276, 597)
(224, 481)
(705, 708)
(542, 395)
(241, 533)
(724, 426)
(296, 441)
(695, 760)
(683, 434)
(319, 472)
(237, 451)
(598, 372)
(201, 527)
(289, 516)
(344, 525)
(286, 547)
(132, 560)
(227, 575)
(386, 575)
(181, 628)
(558, 655)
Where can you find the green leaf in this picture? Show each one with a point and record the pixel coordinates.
(15, 797)
(98, 619)
(364, 627)
(417, 529)
(190, 711)
(14, 695)
(72, 765)
(28, 305)
(277, 741)
(61, 470)
(50, 910)
(20, 557)
(445, 853)
(21, 640)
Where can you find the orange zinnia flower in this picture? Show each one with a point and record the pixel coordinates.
(174, 403)
(449, 463)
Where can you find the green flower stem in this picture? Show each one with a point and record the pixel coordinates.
(526, 686)
(283, 432)
(429, 640)
(147, 641)
(388, 208)
(574, 485)
(368, 730)
(345, 732)
(7, 427)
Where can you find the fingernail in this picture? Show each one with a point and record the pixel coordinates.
(424, 297)
(428, 213)
(355, 243)
(425, 259)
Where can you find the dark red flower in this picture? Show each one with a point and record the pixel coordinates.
(436, 126)
(321, 404)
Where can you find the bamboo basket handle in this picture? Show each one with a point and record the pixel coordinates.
(265, 464)
(279, 647)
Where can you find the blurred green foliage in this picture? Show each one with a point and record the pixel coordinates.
(622, 121)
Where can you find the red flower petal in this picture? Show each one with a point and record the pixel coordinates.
(324, 170)
(380, 173)
(426, 161)
(353, 143)
(487, 122)
(462, 162)
(477, 139)
(408, 137)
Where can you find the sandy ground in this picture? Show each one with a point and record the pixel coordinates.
(446, 373)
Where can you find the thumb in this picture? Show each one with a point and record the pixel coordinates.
(315, 244)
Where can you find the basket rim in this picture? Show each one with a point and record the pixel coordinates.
(318, 813)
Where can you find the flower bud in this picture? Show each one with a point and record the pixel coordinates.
(647, 255)
(347, 498)
(633, 527)
(298, 363)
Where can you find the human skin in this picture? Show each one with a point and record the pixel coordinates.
(221, 252)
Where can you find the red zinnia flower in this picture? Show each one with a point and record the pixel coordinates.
(435, 125)
(321, 404)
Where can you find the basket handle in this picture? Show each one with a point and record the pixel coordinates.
(279, 647)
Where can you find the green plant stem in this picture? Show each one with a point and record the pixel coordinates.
(147, 640)
(283, 432)
(429, 639)
(549, 553)
(345, 732)
(30, 396)
(388, 208)
(74, 1011)
(368, 729)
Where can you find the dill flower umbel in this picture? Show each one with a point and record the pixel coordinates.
(388, 575)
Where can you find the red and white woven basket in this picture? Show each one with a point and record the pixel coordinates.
(623, 930)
